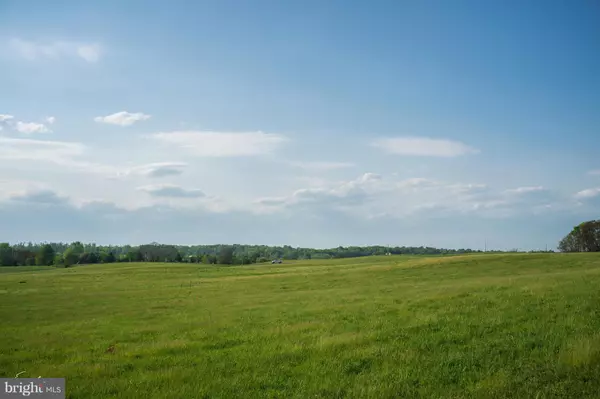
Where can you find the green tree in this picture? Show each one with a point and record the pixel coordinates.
(58, 260)
(77, 248)
(45, 256)
(23, 256)
(89, 258)
(134, 256)
(107, 257)
(6, 255)
(110, 257)
(584, 237)
(226, 255)
(70, 257)
(73, 253)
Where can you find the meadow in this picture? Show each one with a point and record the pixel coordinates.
(474, 326)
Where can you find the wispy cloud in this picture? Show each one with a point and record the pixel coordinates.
(10, 122)
(89, 52)
(34, 50)
(172, 191)
(11, 148)
(343, 194)
(372, 194)
(61, 153)
(419, 146)
(222, 144)
(122, 118)
(525, 190)
(5, 120)
(31, 127)
(588, 193)
(321, 166)
(594, 172)
(159, 169)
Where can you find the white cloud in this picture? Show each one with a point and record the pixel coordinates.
(221, 144)
(28, 149)
(339, 195)
(594, 172)
(159, 169)
(371, 194)
(89, 52)
(525, 190)
(122, 118)
(61, 153)
(588, 193)
(322, 166)
(31, 127)
(5, 121)
(25, 127)
(419, 146)
(172, 191)
(31, 50)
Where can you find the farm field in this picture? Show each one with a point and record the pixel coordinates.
(473, 326)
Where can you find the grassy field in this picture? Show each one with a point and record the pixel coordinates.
(486, 326)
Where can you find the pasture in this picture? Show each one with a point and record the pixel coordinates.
(476, 326)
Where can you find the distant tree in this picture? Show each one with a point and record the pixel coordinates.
(84, 258)
(24, 256)
(23, 253)
(156, 252)
(58, 260)
(226, 255)
(107, 257)
(89, 258)
(110, 257)
(45, 256)
(569, 243)
(134, 256)
(245, 260)
(77, 248)
(70, 257)
(584, 237)
(73, 254)
(6, 255)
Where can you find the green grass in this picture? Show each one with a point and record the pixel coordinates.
(22, 269)
(485, 326)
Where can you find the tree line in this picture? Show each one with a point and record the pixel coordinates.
(68, 254)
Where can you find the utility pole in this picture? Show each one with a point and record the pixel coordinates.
(485, 246)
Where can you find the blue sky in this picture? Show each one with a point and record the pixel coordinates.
(303, 123)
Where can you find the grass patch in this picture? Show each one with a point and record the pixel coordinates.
(477, 326)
